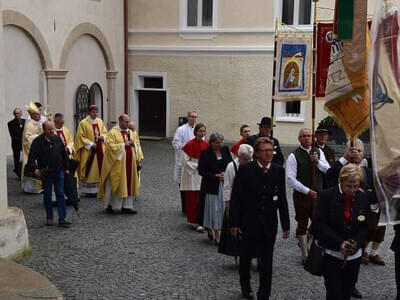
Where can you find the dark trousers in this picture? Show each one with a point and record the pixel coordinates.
(397, 272)
(266, 251)
(17, 162)
(339, 281)
(183, 200)
(58, 182)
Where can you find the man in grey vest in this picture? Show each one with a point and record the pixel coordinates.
(299, 176)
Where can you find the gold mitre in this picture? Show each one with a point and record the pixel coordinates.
(32, 108)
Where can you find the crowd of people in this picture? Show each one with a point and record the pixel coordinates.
(242, 190)
(234, 194)
(47, 159)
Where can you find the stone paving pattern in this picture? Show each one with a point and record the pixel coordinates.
(155, 255)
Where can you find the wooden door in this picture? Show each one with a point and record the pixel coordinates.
(152, 113)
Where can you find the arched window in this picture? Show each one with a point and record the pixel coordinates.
(81, 104)
(96, 97)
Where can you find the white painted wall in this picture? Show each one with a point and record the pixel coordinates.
(86, 65)
(24, 80)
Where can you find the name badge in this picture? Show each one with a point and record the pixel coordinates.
(361, 218)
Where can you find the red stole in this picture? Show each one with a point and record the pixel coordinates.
(235, 148)
(128, 160)
(193, 147)
(99, 149)
(60, 133)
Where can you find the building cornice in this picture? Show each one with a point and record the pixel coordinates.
(200, 50)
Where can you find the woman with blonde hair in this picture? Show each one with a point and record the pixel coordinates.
(341, 222)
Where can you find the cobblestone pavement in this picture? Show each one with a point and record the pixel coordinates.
(155, 255)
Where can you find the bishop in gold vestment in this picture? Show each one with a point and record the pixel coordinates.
(33, 128)
(89, 142)
(119, 177)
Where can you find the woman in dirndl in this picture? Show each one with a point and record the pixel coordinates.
(212, 165)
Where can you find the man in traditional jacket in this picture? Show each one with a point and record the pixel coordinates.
(299, 176)
(182, 134)
(89, 151)
(119, 179)
(16, 128)
(321, 137)
(259, 192)
(33, 128)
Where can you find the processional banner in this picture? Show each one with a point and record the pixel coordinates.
(324, 44)
(385, 108)
(294, 58)
(347, 94)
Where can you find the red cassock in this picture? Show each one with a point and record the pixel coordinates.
(193, 149)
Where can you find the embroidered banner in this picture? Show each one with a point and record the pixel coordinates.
(324, 44)
(385, 109)
(347, 94)
(294, 58)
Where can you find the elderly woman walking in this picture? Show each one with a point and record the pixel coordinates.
(342, 227)
(190, 179)
(228, 245)
(212, 165)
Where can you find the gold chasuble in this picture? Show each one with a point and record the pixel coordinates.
(87, 135)
(119, 166)
(66, 138)
(31, 131)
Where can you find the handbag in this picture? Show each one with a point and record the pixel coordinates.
(315, 260)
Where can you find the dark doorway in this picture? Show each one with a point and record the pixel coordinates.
(152, 113)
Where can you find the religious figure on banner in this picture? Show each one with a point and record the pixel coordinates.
(293, 68)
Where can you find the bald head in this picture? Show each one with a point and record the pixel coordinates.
(123, 121)
(48, 128)
(132, 126)
(17, 113)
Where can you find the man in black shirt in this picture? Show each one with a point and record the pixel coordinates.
(16, 128)
(265, 128)
(48, 160)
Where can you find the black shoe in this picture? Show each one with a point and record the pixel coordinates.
(128, 211)
(356, 293)
(247, 294)
(109, 210)
(210, 235)
(64, 223)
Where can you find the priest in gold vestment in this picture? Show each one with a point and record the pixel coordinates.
(33, 128)
(119, 177)
(89, 151)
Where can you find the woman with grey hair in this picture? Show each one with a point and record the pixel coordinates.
(245, 155)
(212, 165)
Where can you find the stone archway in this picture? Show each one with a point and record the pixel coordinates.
(93, 31)
(14, 18)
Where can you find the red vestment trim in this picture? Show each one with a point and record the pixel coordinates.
(128, 160)
(99, 149)
(60, 133)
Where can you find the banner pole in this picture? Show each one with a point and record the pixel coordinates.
(273, 78)
(314, 70)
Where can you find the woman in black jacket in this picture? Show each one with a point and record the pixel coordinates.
(342, 227)
(212, 165)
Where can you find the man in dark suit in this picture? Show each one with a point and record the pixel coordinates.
(258, 192)
(321, 137)
(265, 128)
(16, 128)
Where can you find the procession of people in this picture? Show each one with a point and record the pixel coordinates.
(235, 195)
